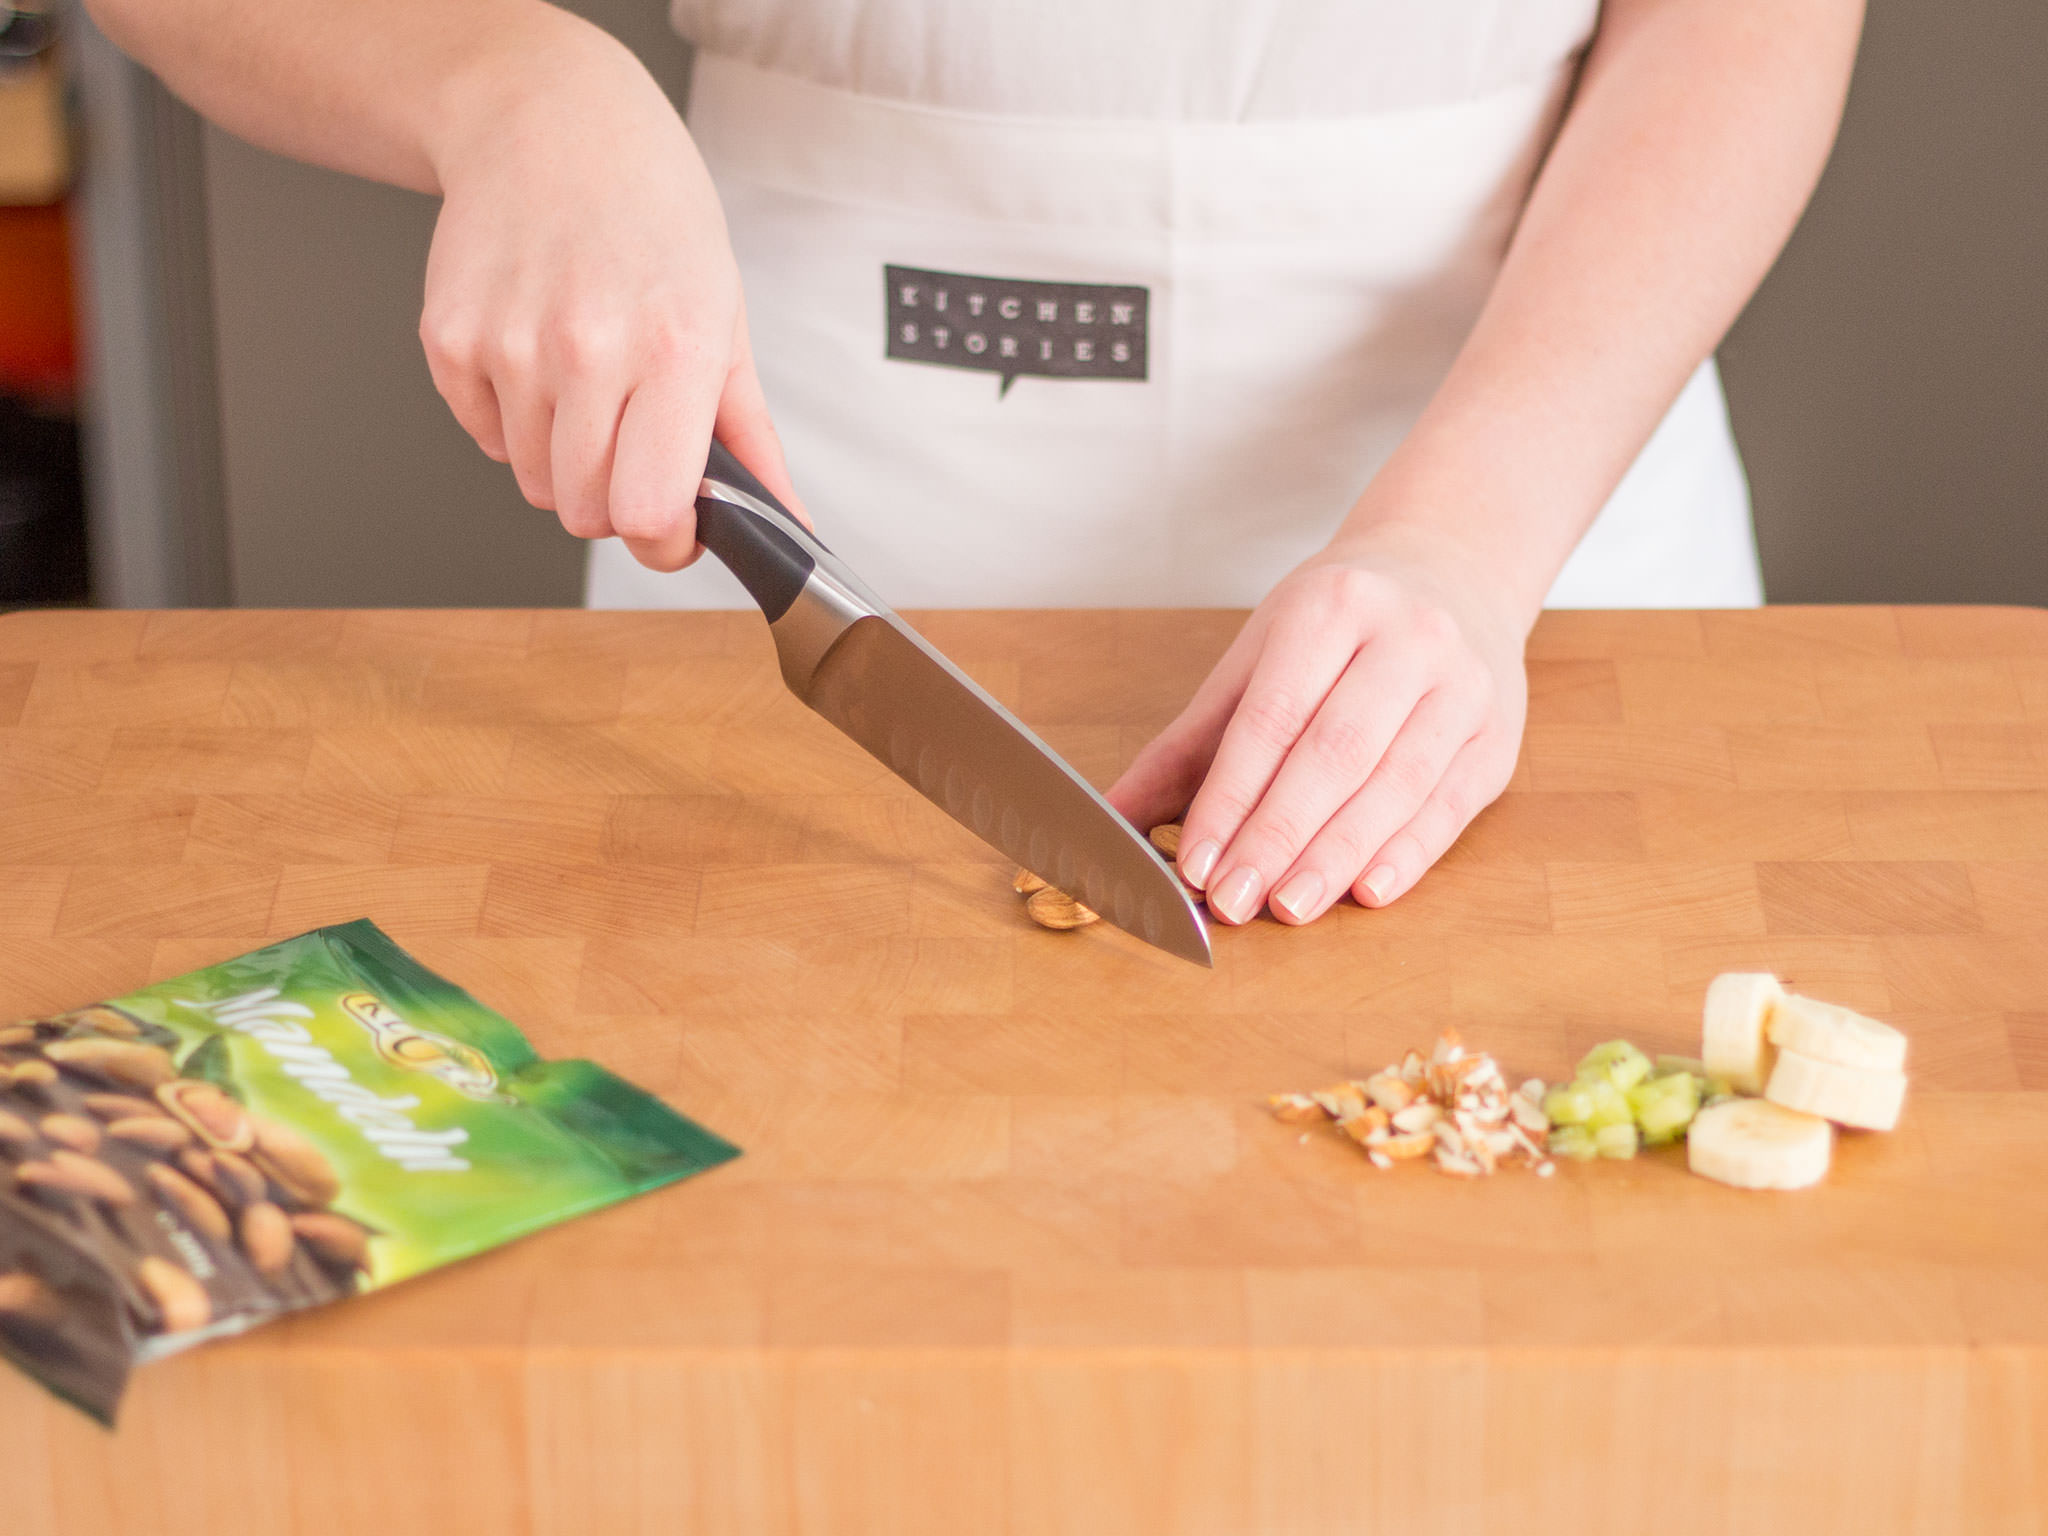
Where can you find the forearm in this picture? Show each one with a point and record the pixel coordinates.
(1698, 133)
(380, 88)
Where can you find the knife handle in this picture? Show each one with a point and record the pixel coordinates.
(755, 541)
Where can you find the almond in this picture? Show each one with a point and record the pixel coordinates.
(298, 1167)
(1390, 1091)
(122, 1062)
(181, 1300)
(333, 1238)
(267, 1238)
(1412, 1144)
(1166, 838)
(68, 1173)
(1360, 1126)
(201, 1211)
(1026, 883)
(15, 1131)
(1050, 908)
(1294, 1108)
(222, 1123)
(123, 1106)
(103, 1020)
(1340, 1101)
(73, 1131)
(26, 1297)
(1418, 1117)
(153, 1133)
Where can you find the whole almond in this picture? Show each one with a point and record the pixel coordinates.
(154, 1133)
(267, 1239)
(1050, 908)
(201, 1211)
(103, 1020)
(15, 1131)
(231, 1180)
(123, 1106)
(180, 1299)
(244, 1184)
(1166, 838)
(31, 1074)
(68, 1173)
(26, 1297)
(73, 1131)
(299, 1168)
(13, 1036)
(333, 1238)
(123, 1062)
(1025, 883)
(222, 1123)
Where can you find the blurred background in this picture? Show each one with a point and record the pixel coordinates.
(212, 392)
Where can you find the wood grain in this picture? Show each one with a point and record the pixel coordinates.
(1014, 1247)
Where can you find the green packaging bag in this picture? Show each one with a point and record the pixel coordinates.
(318, 1118)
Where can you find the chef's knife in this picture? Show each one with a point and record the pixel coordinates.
(846, 654)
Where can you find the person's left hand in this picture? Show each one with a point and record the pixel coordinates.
(1370, 707)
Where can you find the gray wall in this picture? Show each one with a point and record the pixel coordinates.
(1889, 383)
(348, 482)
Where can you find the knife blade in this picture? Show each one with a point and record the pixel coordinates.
(851, 658)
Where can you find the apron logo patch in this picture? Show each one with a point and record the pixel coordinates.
(1012, 326)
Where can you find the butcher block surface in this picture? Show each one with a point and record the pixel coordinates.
(1015, 1246)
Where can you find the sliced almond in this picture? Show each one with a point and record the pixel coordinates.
(1340, 1101)
(1360, 1126)
(1420, 1116)
(1412, 1144)
(1379, 1157)
(1295, 1108)
(1390, 1091)
(1459, 1167)
(1026, 882)
(1529, 1116)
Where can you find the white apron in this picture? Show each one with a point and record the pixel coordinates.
(1305, 286)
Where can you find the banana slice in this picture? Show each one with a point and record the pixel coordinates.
(1836, 1035)
(1869, 1101)
(1734, 1043)
(1755, 1144)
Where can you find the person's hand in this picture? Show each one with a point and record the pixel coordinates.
(583, 315)
(1370, 707)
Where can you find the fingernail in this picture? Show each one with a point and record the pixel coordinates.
(1380, 881)
(1298, 897)
(1199, 860)
(1237, 898)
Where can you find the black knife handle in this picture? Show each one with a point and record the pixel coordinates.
(770, 564)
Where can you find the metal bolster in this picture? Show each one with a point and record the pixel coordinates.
(826, 607)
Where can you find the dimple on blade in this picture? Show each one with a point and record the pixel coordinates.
(960, 749)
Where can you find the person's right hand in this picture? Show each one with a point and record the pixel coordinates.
(583, 316)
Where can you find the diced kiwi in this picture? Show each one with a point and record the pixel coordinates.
(1616, 1062)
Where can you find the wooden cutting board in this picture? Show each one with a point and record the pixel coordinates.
(1014, 1247)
